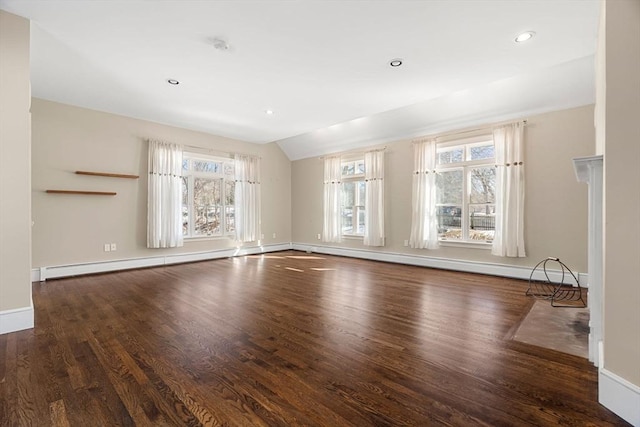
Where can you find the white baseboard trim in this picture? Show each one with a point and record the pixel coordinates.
(51, 272)
(493, 269)
(620, 396)
(16, 320)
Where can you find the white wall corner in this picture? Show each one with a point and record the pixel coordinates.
(16, 320)
(620, 396)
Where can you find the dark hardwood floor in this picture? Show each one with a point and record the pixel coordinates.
(281, 341)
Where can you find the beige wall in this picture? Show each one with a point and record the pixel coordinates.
(600, 83)
(15, 160)
(72, 229)
(555, 203)
(622, 191)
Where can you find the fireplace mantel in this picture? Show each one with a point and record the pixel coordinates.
(589, 170)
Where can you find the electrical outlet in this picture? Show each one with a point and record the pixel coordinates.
(319, 236)
(107, 247)
(113, 247)
(262, 237)
(274, 235)
(406, 243)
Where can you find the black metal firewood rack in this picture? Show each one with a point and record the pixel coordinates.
(566, 292)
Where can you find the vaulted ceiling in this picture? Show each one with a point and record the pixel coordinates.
(321, 67)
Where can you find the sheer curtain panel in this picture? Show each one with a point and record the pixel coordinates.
(247, 198)
(164, 203)
(509, 151)
(332, 227)
(424, 222)
(374, 202)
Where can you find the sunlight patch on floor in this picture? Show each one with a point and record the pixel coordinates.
(293, 257)
(303, 257)
(265, 256)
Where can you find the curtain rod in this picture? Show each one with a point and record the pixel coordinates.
(354, 151)
(219, 152)
(463, 131)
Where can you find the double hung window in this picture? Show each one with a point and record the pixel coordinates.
(353, 197)
(466, 187)
(208, 187)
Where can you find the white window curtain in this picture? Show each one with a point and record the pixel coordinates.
(424, 222)
(374, 202)
(509, 151)
(164, 202)
(332, 224)
(247, 198)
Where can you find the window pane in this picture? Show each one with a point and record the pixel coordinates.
(207, 220)
(452, 155)
(185, 205)
(347, 220)
(229, 169)
(353, 194)
(482, 222)
(449, 222)
(230, 219)
(206, 191)
(348, 168)
(481, 152)
(360, 167)
(360, 221)
(206, 166)
(348, 194)
(185, 190)
(207, 200)
(229, 201)
(483, 185)
(229, 193)
(185, 164)
(449, 187)
(185, 220)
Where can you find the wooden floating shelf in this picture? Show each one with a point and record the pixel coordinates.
(92, 193)
(111, 175)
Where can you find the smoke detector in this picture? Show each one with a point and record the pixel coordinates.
(220, 44)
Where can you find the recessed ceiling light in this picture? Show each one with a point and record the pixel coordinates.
(395, 62)
(173, 82)
(268, 112)
(524, 36)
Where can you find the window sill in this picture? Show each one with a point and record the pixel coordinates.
(465, 244)
(204, 238)
(352, 236)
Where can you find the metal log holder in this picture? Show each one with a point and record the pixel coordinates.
(566, 293)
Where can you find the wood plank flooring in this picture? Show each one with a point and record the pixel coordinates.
(285, 340)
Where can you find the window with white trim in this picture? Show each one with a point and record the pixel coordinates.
(353, 197)
(208, 190)
(466, 186)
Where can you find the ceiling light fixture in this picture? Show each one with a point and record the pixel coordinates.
(173, 82)
(524, 36)
(268, 112)
(395, 62)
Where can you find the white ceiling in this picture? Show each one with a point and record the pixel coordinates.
(321, 66)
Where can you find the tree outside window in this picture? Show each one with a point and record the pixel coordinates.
(208, 189)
